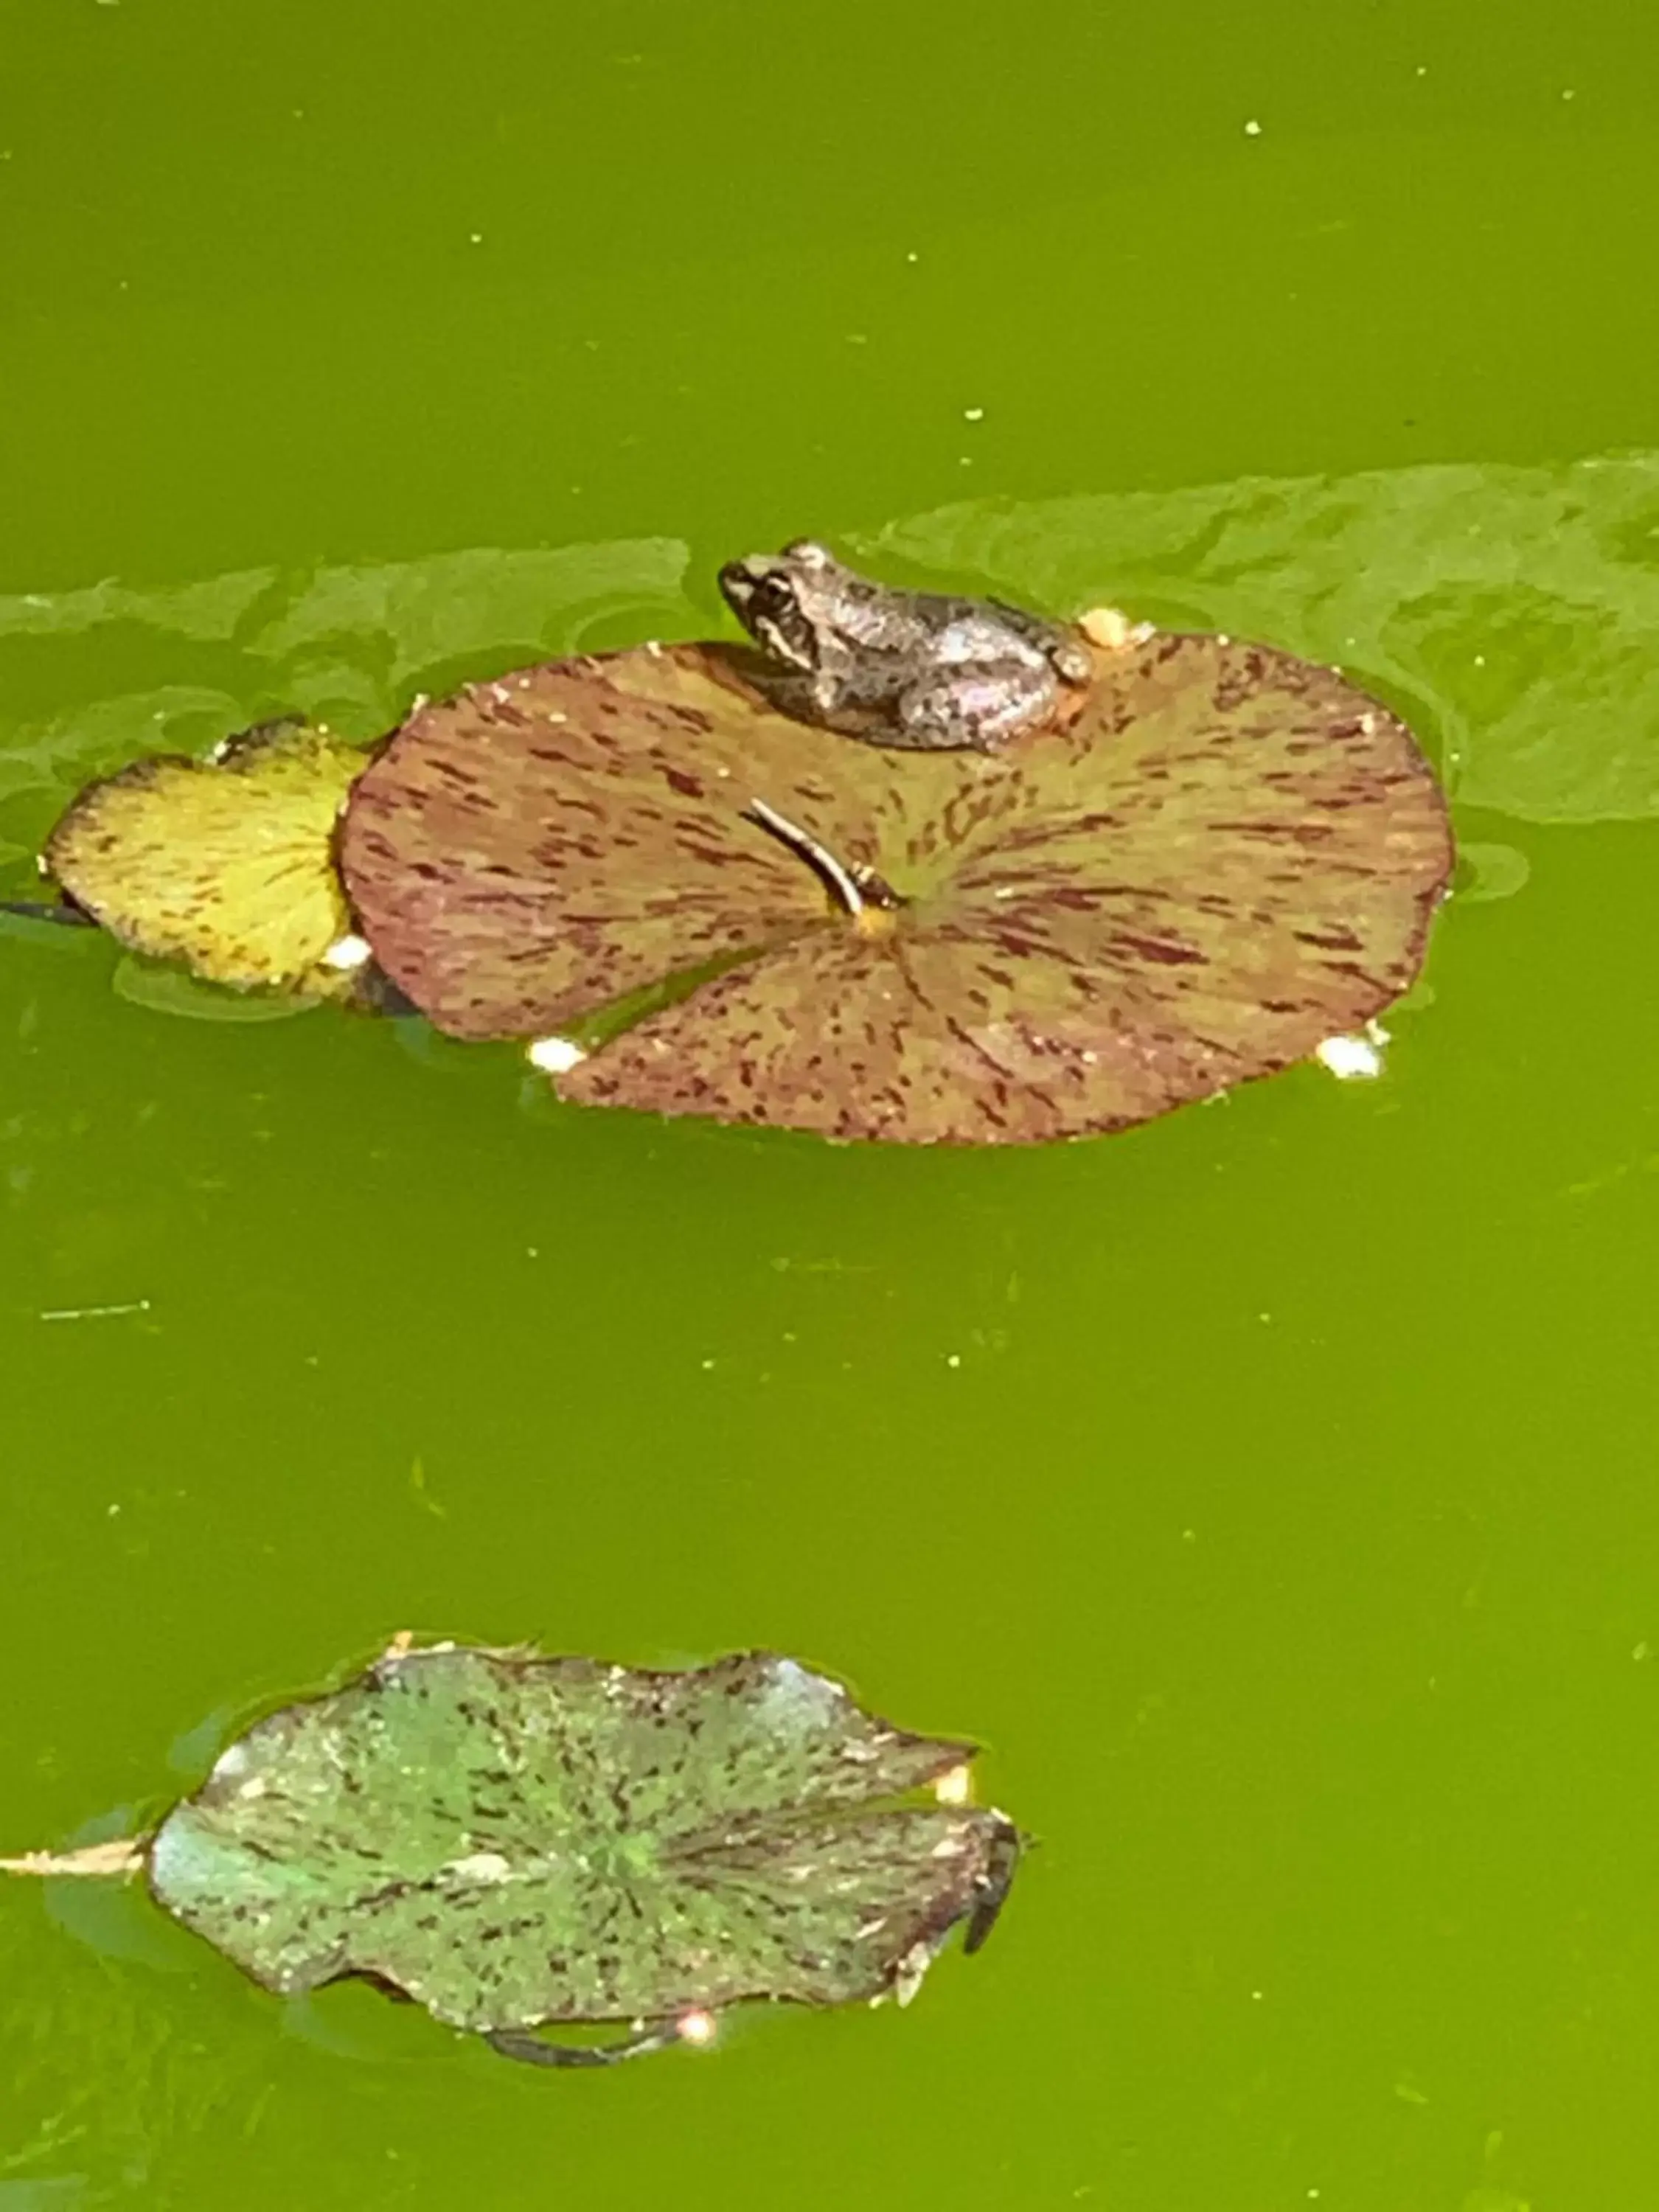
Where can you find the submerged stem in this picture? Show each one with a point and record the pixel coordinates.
(125, 1854)
(520, 2044)
(59, 910)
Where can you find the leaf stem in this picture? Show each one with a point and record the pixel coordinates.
(840, 878)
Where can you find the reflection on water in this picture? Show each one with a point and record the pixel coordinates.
(174, 669)
(1512, 612)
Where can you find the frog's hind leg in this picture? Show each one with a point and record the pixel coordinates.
(980, 708)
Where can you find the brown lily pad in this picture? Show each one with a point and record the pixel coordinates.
(1223, 856)
(226, 865)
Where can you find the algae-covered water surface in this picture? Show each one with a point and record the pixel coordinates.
(1270, 1489)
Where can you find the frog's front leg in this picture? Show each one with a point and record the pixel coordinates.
(982, 705)
(827, 694)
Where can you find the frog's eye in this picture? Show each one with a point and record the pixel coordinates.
(775, 596)
(809, 553)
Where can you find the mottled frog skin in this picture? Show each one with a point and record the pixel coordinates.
(920, 670)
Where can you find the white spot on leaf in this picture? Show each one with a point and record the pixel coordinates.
(1352, 1059)
(482, 1866)
(556, 1055)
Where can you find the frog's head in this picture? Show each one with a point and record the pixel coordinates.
(781, 599)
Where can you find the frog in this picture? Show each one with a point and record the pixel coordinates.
(923, 671)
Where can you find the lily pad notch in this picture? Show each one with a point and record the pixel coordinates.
(519, 1842)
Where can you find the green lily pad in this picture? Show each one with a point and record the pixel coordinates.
(1218, 858)
(226, 865)
(514, 1840)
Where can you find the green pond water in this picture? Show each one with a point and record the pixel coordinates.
(1272, 1490)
